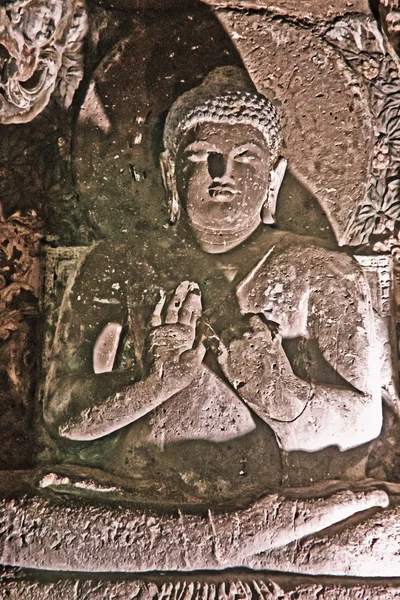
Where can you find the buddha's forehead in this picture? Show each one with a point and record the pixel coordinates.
(223, 135)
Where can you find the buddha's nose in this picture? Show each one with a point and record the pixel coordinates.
(216, 165)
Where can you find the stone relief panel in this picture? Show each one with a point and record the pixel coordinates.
(154, 384)
(218, 382)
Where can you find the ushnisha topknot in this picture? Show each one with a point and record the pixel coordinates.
(225, 96)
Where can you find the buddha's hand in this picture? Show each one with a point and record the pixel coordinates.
(259, 369)
(174, 350)
(251, 354)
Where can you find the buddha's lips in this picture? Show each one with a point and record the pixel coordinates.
(222, 193)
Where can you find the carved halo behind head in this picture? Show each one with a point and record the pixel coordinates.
(226, 96)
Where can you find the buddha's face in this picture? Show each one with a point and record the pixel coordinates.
(222, 174)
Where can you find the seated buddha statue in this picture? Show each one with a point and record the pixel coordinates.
(220, 341)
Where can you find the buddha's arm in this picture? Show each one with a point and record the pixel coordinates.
(315, 293)
(333, 417)
(80, 404)
(86, 407)
(304, 416)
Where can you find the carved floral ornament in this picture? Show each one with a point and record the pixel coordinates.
(40, 50)
(19, 268)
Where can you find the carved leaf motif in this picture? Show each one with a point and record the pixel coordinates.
(9, 321)
(391, 201)
(361, 42)
(366, 212)
(18, 261)
(71, 71)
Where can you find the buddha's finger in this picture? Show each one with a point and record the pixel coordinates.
(198, 306)
(191, 309)
(176, 302)
(156, 319)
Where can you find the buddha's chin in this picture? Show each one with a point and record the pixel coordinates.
(218, 241)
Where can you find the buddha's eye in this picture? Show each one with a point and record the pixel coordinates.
(198, 156)
(198, 151)
(246, 157)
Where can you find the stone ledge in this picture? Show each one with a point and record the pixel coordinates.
(240, 586)
(274, 533)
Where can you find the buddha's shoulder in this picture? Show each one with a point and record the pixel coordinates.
(301, 255)
(286, 241)
(314, 253)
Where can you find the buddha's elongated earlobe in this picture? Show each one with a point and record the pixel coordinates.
(276, 177)
(171, 193)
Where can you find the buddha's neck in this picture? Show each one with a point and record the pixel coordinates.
(219, 242)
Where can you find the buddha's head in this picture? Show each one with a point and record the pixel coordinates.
(222, 161)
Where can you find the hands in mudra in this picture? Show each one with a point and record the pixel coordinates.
(173, 345)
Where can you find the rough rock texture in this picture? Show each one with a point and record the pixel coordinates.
(36, 196)
(19, 299)
(371, 547)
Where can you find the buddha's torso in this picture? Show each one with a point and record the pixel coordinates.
(204, 439)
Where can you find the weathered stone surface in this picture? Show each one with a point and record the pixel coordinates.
(177, 347)
(44, 534)
(321, 10)
(359, 550)
(19, 311)
(212, 126)
(221, 160)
